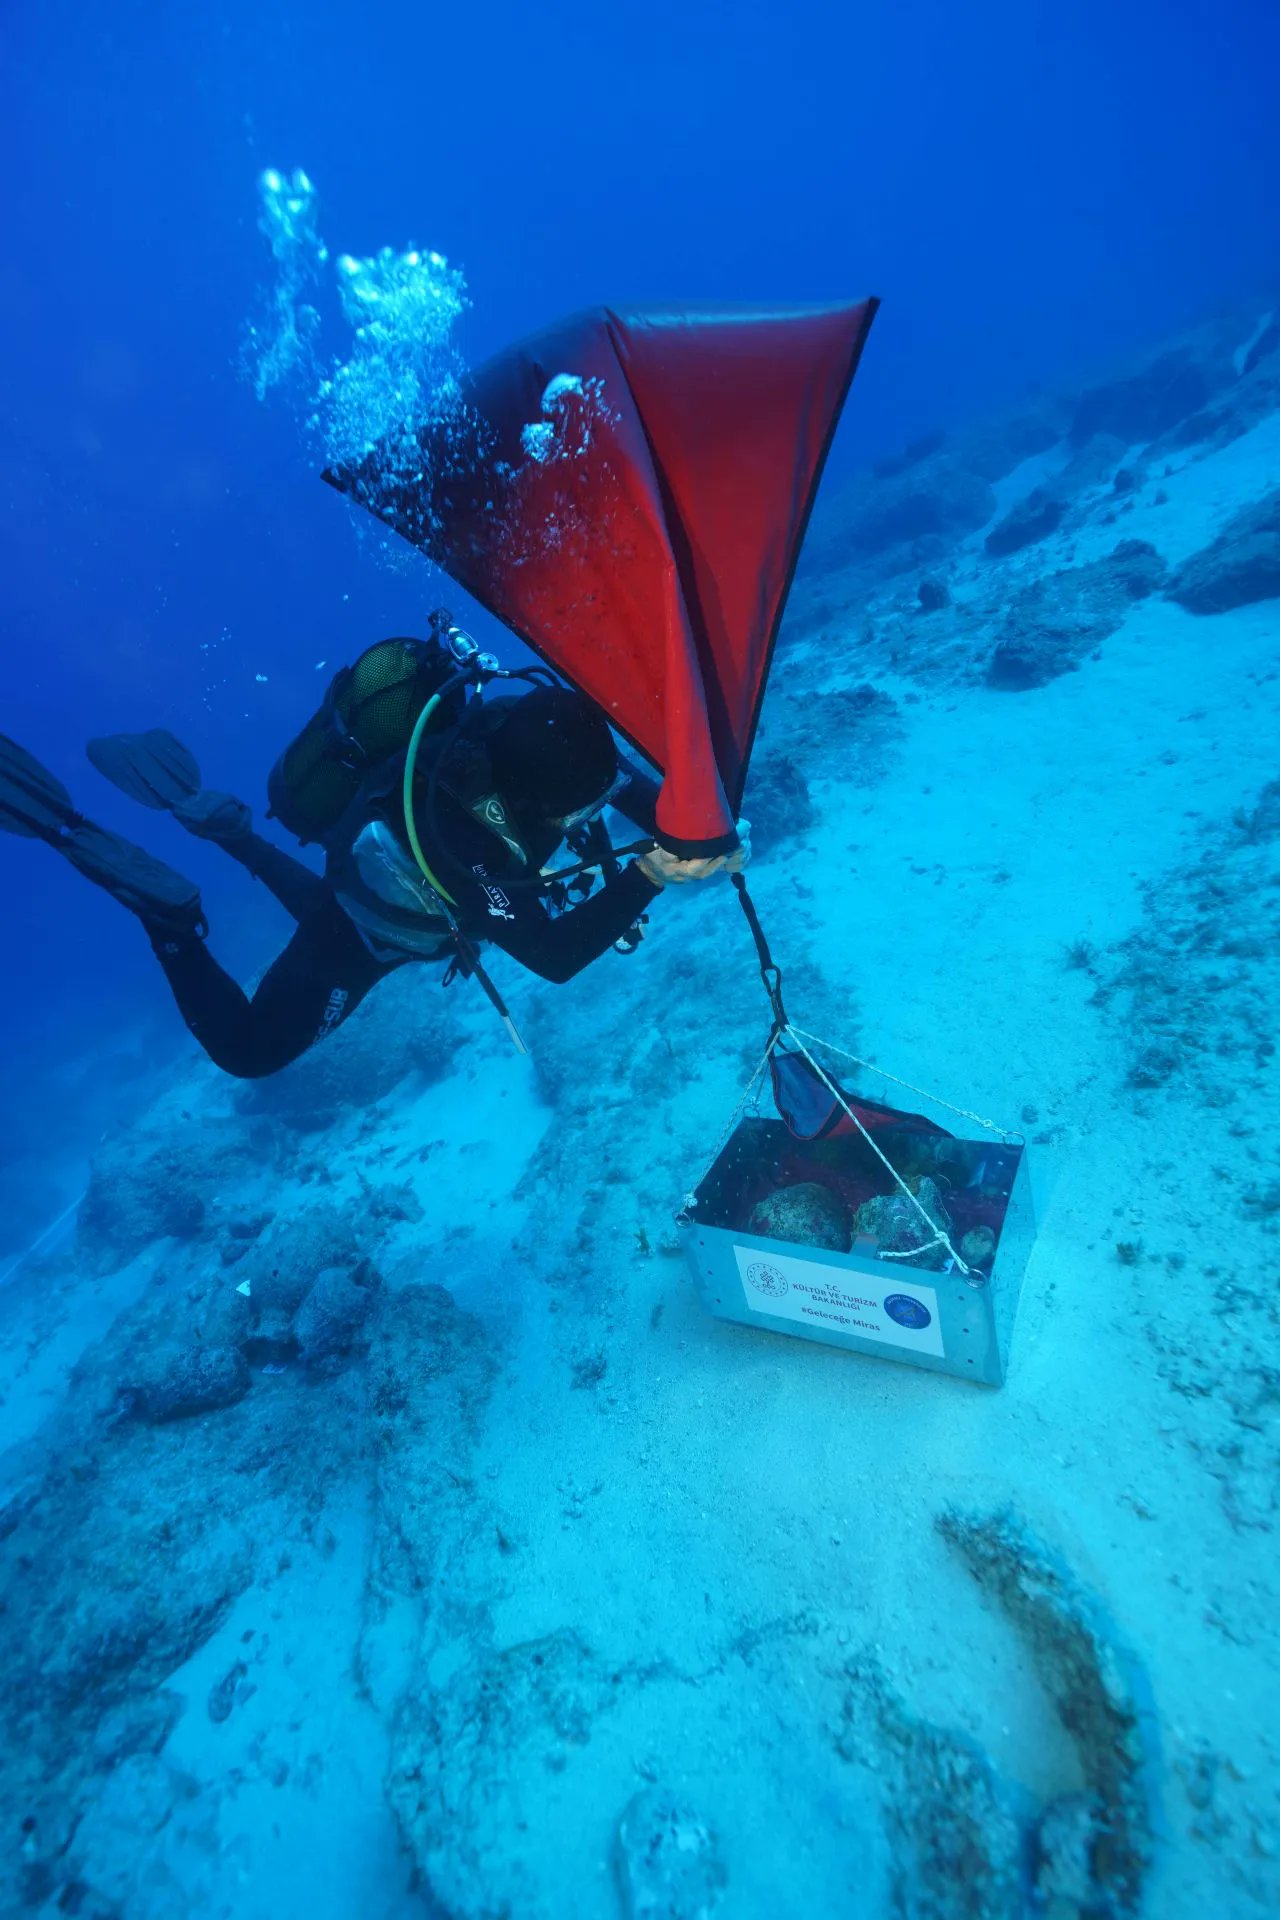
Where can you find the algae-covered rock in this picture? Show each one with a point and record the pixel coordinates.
(994, 448)
(1240, 567)
(932, 497)
(1146, 401)
(954, 1823)
(667, 1859)
(141, 1723)
(397, 1031)
(1104, 1838)
(806, 1213)
(1034, 518)
(489, 1764)
(329, 1321)
(1054, 623)
(146, 1810)
(1066, 1841)
(781, 804)
(193, 1380)
(157, 1181)
(896, 1227)
(977, 1247)
(280, 1268)
(269, 1339)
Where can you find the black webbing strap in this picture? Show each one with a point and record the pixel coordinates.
(770, 972)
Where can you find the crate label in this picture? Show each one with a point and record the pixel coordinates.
(903, 1314)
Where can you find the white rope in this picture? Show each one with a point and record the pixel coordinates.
(961, 1113)
(939, 1240)
(38, 1245)
(941, 1237)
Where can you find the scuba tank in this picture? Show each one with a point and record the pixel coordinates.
(368, 715)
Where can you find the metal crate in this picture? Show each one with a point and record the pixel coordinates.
(888, 1308)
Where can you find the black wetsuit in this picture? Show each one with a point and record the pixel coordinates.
(328, 966)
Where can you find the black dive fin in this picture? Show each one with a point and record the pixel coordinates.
(32, 801)
(158, 894)
(153, 767)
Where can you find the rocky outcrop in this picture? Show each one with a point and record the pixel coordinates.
(158, 1180)
(192, 1380)
(1145, 402)
(956, 1830)
(779, 804)
(147, 1810)
(1195, 986)
(479, 1781)
(173, 1478)
(911, 456)
(331, 1319)
(1055, 623)
(1211, 386)
(1033, 519)
(845, 732)
(276, 1271)
(1238, 568)
(398, 1031)
(967, 1843)
(994, 448)
(667, 1860)
(1046, 507)
(1094, 464)
(1250, 397)
(1100, 1696)
(887, 520)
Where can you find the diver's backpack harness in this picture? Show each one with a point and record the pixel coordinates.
(395, 695)
(783, 1037)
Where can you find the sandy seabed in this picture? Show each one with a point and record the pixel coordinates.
(463, 1566)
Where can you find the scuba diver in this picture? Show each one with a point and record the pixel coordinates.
(438, 814)
(627, 493)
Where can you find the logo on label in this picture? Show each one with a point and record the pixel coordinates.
(767, 1279)
(334, 1010)
(907, 1311)
(499, 904)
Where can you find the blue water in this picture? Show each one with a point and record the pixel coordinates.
(1036, 193)
(1028, 192)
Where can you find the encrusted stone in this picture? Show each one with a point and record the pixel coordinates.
(808, 1214)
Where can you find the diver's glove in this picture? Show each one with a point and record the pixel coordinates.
(742, 854)
(659, 866)
(213, 816)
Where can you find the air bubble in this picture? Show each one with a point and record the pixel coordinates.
(396, 377)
